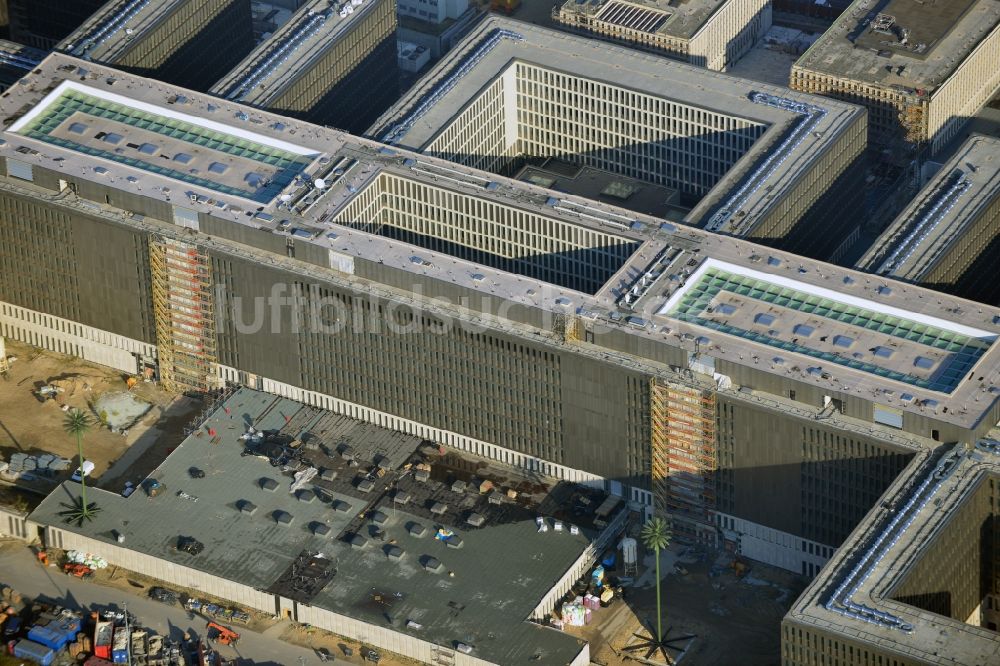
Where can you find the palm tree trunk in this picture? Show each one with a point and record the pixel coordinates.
(83, 479)
(659, 620)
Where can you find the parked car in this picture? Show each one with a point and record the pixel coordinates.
(87, 466)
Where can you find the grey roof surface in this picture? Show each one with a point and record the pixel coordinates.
(349, 164)
(683, 19)
(482, 594)
(934, 222)
(252, 549)
(500, 574)
(279, 61)
(949, 31)
(112, 29)
(611, 188)
(932, 638)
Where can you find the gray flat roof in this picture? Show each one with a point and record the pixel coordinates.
(611, 188)
(112, 29)
(944, 211)
(482, 595)
(667, 254)
(939, 36)
(291, 51)
(676, 19)
(913, 633)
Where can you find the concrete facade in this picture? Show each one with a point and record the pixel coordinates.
(189, 43)
(920, 92)
(707, 33)
(598, 386)
(329, 64)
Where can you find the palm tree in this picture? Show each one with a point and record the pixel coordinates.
(656, 536)
(76, 424)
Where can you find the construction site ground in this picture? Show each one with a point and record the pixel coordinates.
(736, 620)
(28, 425)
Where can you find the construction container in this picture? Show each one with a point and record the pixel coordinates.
(36, 652)
(103, 632)
(119, 649)
(57, 632)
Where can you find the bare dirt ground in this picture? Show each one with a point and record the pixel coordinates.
(29, 425)
(737, 621)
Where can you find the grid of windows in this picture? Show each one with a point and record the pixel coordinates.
(620, 130)
(477, 137)
(490, 233)
(600, 125)
(410, 364)
(842, 478)
(175, 49)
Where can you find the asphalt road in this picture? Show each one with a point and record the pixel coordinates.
(20, 570)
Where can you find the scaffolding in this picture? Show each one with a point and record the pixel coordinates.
(184, 311)
(914, 123)
(683, 458)
(569, 327)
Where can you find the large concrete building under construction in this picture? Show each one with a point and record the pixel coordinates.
(921, 68)
(746, 159)
(214, 242)
(918, 582)
(948, 238)
(332, 63)
(708, 33)
(189, 43)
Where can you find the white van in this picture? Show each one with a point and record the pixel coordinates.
(88, 467)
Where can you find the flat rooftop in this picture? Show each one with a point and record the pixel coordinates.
(944, 211)
(828, 326)
(799, 127)
(668, 17)
(279, 61)
(852, 596)
(369, 552)
(110, 31)
(631, 301)
(117, 129)
(605, 186)
(906, 44)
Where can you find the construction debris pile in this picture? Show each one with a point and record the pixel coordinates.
(92, 561)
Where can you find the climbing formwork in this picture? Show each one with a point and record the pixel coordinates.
(184, 309)
(684, 461)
